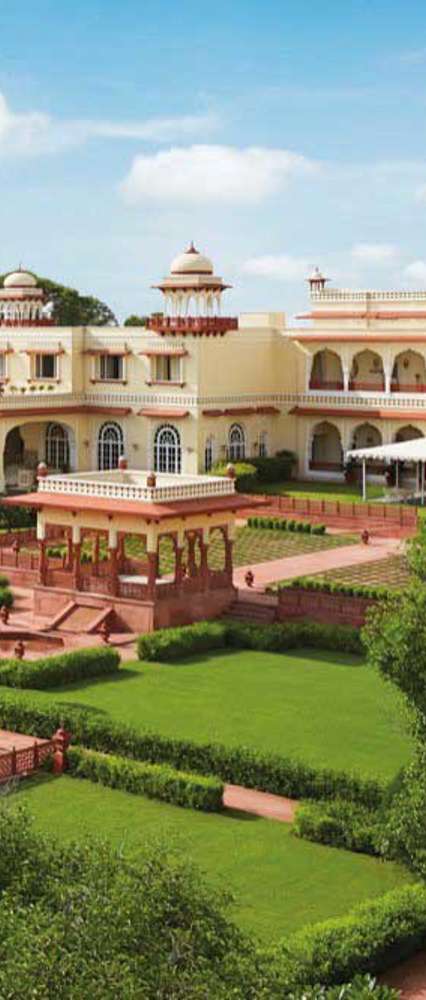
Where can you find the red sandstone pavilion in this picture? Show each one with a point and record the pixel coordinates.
(102, 509)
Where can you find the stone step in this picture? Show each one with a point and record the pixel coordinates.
(84, 618)
(251, 611)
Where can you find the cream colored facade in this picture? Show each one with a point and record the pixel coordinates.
(197, 387)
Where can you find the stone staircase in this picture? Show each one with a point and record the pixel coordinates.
(77, 617)
(254, 608)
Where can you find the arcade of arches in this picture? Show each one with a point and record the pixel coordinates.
(326, 453)
(367, 371)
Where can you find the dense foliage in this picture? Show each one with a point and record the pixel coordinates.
(335, 587)
(54, 671)
(134, 320)
(339, 823)
(70, 308)
(187, 640)
(238, 765)
(157, 781)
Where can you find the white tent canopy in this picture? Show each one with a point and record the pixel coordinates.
(401, 451)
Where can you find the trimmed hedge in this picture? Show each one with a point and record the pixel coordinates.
(167, 645)
(6, 596)
(157, 781)
(374, 936)
(377, 593)
(54, 671)
(237, 765)
(339, 824)
(284, 524)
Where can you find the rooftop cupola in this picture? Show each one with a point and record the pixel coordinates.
(317, 281)
(192, 297)
(22, 301)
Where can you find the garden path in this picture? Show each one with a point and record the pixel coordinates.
(259, 803)
(317, 562)
(408, 977)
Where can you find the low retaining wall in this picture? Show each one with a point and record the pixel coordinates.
(329, 609)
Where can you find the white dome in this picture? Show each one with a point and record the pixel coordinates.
(191, 262)
(18, 279)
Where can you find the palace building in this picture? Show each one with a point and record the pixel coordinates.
(197, 386)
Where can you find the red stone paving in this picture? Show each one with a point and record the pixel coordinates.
(289, 567)
(259, 803)
(8, 740)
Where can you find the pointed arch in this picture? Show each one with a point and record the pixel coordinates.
(367, 372)
(326, 371)
(326, 448)
(236, 443)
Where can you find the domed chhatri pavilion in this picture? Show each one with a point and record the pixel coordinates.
(195, 385)
(22, 301)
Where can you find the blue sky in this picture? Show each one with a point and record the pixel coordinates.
(277, 135)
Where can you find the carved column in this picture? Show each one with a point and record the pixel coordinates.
(95, 555)
(178, 565)
(152, 559)
(229, 563)
(76, 565)
(42, 562)
(204, 553)
(113, 562)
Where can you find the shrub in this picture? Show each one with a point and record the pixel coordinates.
(238, 765)
(173, 643)
(318, 583)
(6, 597)
(4, 582)
(375, 935)
(275, 468)
(246, 475)
(157, 781)
(339, 823)
(54, 671)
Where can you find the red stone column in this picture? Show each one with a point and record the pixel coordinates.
(113, 564)
(95, 554)
(204, 566)
(68, 562)
(42, 570)
(152, 559)
(192, 565)
(178, 565)
(76, 557)
(229, 563)
(121, 553)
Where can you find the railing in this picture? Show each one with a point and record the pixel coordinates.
(22, 536)
(15, 559)
(192, 324)
(17, 763)
(408, 387)
(133, 591)
(184, 488)
(338, 295)
(377, 512)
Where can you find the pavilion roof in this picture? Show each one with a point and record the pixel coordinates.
(135, 508)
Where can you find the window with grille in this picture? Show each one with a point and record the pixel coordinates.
(209, 454)
(167, 369)
(110, 367)
(57, 447)
(110, 446)
(236, 443)
(46, 366)
(167, 450)
(263, 444)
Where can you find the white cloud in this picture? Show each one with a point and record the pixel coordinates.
(280, 267)
(34, 133)
(416, 272)
(210, 173)
(374, 253)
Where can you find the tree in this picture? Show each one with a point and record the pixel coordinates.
(134, 320)
(72, 309)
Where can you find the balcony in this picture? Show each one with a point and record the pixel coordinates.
(368, 386)
(196, 325)
(325, 386)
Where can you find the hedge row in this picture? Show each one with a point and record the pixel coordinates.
(374, 936)
(334, 587)
(281, 524)
(55, 671)
(237, 765)
(167, 645)
(157, 781)
(6, 597)
(339, 823)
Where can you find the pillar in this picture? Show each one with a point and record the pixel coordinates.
(121, 553)
(113, 563)
(76, 555)
(204, 565)
(68, 558)
(95, 554)
(192, 565)
(178, 564)
(152, 558)
(229, 546)
(41, 539)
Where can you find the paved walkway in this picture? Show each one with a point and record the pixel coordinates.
(259, 803)
(317, 562)
(408, 977)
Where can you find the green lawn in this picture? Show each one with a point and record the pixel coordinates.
(390, 572)
(280, 883)
(320, 491)
(322, 708)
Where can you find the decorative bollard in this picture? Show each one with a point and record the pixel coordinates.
(62, 740)
(19, 650)
(249, 578)
(4, 614)
(365, 536)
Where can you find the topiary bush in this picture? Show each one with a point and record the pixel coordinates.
(157, 781)
(55, 671)
(6, 597)
(174, 643)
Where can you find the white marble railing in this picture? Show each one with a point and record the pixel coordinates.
(346, 295)
(380, 400)
(193, 488)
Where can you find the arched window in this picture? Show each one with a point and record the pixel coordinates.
(57, 447)
(236, 443)
(209, 453)
(167, 449)
(263, 444)
(110, 446)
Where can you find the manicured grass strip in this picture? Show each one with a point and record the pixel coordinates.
(391, 572)
(239, 765)
(158, 781)
(280, 883)
(328, 710)
(350, 492)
